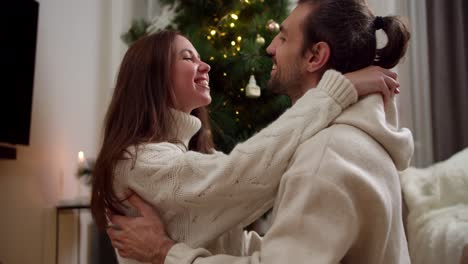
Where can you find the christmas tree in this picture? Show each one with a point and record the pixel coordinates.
(230, 35)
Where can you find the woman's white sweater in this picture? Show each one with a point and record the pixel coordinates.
(203, 196)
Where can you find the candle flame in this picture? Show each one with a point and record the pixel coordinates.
(81, 156)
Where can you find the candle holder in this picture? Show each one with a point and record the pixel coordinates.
(85, 172)
(85, 168)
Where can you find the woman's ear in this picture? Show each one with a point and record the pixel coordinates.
(317, 56)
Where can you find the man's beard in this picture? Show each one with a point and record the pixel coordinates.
(286, 83)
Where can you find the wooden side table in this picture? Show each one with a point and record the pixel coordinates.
(64, 208)
(464, 258)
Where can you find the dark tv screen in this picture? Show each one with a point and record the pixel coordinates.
(19, 49)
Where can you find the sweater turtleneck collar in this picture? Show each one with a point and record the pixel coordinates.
(185, 126)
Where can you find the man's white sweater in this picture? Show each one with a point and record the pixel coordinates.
(206, 199)
(339, 200)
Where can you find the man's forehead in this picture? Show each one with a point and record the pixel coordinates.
(291, 25)
(296, 17)
(283, 29)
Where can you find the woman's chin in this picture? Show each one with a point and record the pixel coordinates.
(203, 101)
(207, 100)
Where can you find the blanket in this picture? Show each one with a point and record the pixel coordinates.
(437, 199)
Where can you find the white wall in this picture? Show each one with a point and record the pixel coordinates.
(72, 72)
(78, 53)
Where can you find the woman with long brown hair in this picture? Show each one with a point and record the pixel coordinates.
(157, 143)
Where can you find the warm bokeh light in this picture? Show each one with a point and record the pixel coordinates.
(81, 156)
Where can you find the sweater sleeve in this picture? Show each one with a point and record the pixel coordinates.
(315, 219)
(222, 191)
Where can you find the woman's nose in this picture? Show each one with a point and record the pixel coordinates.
(204, 67)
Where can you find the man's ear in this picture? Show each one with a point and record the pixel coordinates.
(317, 56)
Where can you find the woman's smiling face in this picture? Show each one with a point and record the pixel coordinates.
(190, 77)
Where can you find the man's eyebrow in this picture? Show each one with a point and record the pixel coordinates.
(189, 51)
(283, 30)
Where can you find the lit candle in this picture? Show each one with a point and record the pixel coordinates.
(81, 159)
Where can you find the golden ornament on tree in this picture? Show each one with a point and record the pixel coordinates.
(252, 90)
(272, 26)
(260, 40)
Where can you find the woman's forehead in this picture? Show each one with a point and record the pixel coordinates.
(182, 44)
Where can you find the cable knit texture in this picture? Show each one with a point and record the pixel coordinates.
(339, 200)
(201, 196)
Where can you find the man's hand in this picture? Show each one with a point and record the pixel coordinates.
(374, 79)
(140, 238)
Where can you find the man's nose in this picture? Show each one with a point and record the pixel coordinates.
(271, 49)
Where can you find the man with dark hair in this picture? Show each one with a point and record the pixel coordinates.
(340, 199)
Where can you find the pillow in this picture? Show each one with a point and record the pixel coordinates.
(440, 185)
(437, 199)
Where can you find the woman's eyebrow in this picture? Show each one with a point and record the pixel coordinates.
(190, 51)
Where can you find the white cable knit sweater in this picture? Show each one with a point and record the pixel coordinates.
(339, 200)
(203, 196)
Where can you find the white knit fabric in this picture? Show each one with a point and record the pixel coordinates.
(204, 196)
(339, 201)
(437, 199)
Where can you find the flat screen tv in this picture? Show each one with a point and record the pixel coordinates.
(19, 30)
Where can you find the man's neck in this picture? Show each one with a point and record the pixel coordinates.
(309, 82)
